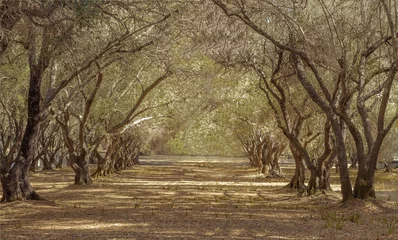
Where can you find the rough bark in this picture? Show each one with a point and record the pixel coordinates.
(16, 184)
(336, 102)
(80, 166)
(324, 173)
(263, 152)
(106, 164)
(298, 179)
(127, 154)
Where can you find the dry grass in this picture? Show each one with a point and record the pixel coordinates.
(190, 198)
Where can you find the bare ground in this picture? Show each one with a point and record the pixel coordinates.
(191, 198)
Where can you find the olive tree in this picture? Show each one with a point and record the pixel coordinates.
(52, 31)
(344, 54)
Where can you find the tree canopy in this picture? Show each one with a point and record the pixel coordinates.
(100, 82)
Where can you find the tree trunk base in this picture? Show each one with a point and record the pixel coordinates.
(82, 175)
(17, 189)
(275, 174)
(364, 190)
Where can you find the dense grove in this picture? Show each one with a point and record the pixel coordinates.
(103, 82)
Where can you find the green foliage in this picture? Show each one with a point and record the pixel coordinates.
(13, 75)
(176, 146)
(221, 105)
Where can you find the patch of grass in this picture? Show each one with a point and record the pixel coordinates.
(153, 211)
(137, 204)
(332, 219)
(355, 217)
(339, 224)
(391, 224)
(187, 211)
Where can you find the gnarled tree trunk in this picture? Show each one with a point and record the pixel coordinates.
(15, 183)
(80, 165)
(298, 179)
(105, 166)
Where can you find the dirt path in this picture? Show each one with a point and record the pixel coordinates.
(188, 198)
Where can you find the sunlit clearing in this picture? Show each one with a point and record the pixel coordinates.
(76, 225)
(200, 183)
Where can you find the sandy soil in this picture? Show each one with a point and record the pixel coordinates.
(190, 198)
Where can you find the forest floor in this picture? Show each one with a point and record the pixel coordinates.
(194, 198)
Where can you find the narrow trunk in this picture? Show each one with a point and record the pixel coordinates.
(345, 182)
(312, 184)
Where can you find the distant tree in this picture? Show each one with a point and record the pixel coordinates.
(263, 151)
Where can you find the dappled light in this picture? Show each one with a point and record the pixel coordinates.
(211, 119)
(75, 225)
(192, 201)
